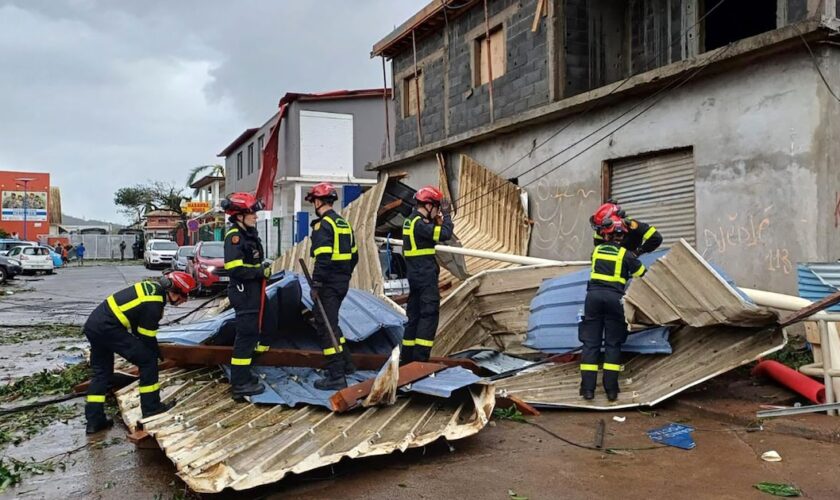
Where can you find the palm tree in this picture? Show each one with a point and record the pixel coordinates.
(214, 170)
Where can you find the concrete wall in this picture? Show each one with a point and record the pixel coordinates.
(369, 143)
(248, 182)
(764, 142)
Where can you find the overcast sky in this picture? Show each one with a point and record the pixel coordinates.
(108, 93)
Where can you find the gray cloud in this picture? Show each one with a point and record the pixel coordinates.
(104, 94)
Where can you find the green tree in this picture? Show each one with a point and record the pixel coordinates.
(136, 201)
(214, 170)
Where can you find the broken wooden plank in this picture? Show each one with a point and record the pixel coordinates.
(349, 397)
(523, 407)
(811, 309)
(211, 355)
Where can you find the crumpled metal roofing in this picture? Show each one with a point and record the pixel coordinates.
(217, 443)
(443, 383)
(678, 289)
(818, 280)
(494, 361)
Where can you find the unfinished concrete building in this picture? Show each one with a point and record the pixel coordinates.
(714, 120)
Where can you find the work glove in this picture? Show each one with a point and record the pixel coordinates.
(445, 206)
(439, 219)
(267, 270)
(313, 291)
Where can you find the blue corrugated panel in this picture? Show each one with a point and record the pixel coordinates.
(293, 386)
(443, 383)
(553, 327)
(818, 280)
(494, 361)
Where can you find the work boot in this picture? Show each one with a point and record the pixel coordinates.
(98, 424)
(587, 394)
(333, 378)
(406, 355)
(250, 388)
(349, 367)
(157, 409)
(612, 396)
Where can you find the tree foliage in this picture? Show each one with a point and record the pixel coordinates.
(136, 201)
(214, 170)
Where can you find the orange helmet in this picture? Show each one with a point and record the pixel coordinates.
(241, 203)
(323, 191)
(179, 282)
(429, 194)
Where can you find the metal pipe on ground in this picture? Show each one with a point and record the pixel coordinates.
(501, 257)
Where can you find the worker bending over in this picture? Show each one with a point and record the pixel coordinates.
(335, 253)
(422, 230)
(603, 321)
(640, 239)
(126, 323)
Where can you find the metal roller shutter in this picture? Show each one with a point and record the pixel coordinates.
(659, 190)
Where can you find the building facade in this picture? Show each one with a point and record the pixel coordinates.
(711, 120)
(25, 201)
(321, 137)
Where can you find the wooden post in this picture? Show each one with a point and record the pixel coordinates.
(827, 379)
(387, 118)
(417, 92)
(489, 61)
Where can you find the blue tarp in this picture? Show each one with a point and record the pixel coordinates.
(293, 386)
(443, 383)
(676, 435)
(553, 323)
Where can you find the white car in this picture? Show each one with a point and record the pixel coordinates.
(33, 259)
(159, 253)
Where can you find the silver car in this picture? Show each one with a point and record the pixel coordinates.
(179, 263)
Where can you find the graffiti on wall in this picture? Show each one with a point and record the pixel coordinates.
(561, 219)
(749, 234)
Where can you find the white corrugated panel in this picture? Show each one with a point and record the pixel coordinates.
(658, 190)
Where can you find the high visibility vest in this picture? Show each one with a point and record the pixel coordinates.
(124, 301)
(344, 242)
(607, 262)
(415, 248)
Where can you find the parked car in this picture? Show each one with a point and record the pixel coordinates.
(159, 253)
(181, 260)
(8, 244)
(9, 268)
(208, 265)
(33, 259)
(56, 258)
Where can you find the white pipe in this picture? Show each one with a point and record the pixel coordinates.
(786, 303)
(816, 370)
(502, 257)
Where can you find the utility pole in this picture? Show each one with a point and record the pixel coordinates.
(25, 181)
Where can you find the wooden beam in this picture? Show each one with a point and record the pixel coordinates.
(538, 15)
(211, 355)
(388, 207)
(811, 309)
(349, 397)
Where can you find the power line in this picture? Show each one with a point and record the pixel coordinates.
(595, 104)
(819, 70)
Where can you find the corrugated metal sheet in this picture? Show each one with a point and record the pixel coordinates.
(818, 280)
(494, 361)
(553, 326)
(682, 288)
(291, 386)
(216, 443)
(490, 310)
(489, 216)
(362, 216)
(443, 383)
(658, 190)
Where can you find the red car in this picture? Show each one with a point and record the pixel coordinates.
(208, 266)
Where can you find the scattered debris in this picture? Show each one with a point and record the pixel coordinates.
(515, 496)
(44, 383)
(771, 456)
(676, 435)
(619, 419)
(778, 489)
(511, 413)
(599, 433)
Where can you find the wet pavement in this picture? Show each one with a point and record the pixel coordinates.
(506, 460)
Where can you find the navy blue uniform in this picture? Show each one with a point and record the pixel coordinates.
(420, 235)
(603, 321)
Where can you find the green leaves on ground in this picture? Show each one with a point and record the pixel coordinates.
(778, 489)
(18, 335)
(511, 413)
(18, 427)
(45, 383)
(13, 470)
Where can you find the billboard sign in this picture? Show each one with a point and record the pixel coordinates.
(198, 206)
(13, 205)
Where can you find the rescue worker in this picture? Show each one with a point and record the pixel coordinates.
(640, 239)
(126, 323)
(603, 321)
(422, 230)
(246, 289)
(335, 253)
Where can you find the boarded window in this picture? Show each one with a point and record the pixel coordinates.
(410, 94)
(658, 189)
(481, 68)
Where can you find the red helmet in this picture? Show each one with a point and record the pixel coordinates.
(179, 282)
(613, 225)
(241, 203)
(604, 213)
(323, 191)
(429, 194)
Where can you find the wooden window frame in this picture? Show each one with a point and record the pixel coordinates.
(407, 82)
(479, 45)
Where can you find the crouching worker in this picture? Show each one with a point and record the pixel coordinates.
(603, 321)
(126, 323)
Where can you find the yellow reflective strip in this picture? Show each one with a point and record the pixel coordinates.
(586, 367)
(413, 251)
(336, 247)
(607, 277)
(148, 333)
(231, 231)
(239, 263)
(136, 302)
(331, 351)
(620, 262)
(436, 234)
(240, 361)
(424, 342)
(320, 250)
(598, 236)
(648, 234)
(342, 256)
(612, 367)
(342, 340)
(408, 343)
(145, 389)
(639, 271)
(261, 348)
(138, 289)
(112, 304)
(95, 398)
